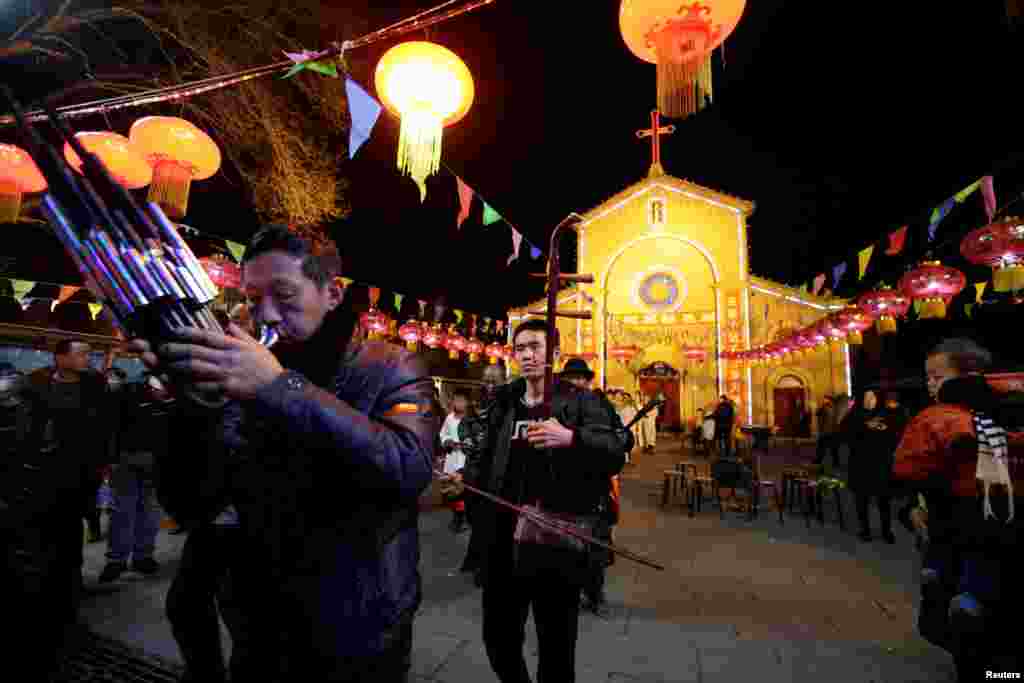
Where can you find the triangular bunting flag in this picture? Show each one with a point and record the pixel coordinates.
(535, 253)
(21, 288)
(490, 215)
(938, 213)
(863, 259)
(517, 241)
(363, 111)
(966, 192)
(465, 201)
(66, 292)
(458, 316)
(979, 288)
(306, 60)
(896, 241)
(95, 309)
(398, 302)
(346, 282)
(988, 193)
(237, 250)
(917, 306)
(837, 274)
(819, 282)
(969, 310)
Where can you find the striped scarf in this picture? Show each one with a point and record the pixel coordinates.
(993, 465)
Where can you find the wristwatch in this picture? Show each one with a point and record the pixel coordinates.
(293, 381)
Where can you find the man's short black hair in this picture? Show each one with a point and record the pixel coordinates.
(321, 264)
(966, 355)
(535, 325)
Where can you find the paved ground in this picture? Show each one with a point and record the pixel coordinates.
(739, 600)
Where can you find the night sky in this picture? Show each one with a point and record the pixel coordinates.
(841, 121)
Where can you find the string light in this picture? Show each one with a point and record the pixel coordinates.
(183, 91)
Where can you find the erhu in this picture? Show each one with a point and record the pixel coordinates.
(131, 256)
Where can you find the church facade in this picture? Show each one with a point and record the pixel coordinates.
(673, 286)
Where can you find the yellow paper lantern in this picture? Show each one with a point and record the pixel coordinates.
(179, 153)
(678, 36)
(428, 87)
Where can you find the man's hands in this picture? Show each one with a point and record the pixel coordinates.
(549, 434)
(235, 364)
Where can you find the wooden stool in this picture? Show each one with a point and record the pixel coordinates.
(673, 483)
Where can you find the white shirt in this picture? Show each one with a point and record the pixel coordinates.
(456, 459)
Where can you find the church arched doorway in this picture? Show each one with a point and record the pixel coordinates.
(790, 406)
(661, 380)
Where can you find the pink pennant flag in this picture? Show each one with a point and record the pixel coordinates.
(517, 240)
(988, 193)
(819, 282)
(896, 241)
(465, 201)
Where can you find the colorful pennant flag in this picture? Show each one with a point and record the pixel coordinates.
(237, 250)
(979, 288)
(465, 201)
(517, 241)
(363, 112)
(66, 292)
(988, 193)
(490, 215)
(969, 310)
(535, 253)
(896, 241)
(917, 306)
(863, 259)
(837, 274)
(398, 301)
(819, 282)
(938, 213)
(346, 282)
(967, 191)
(458, 316)
(307, 60)
(21, 288)
(95, 309)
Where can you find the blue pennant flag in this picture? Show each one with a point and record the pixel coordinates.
(534, 252)
(938, 214)
(837, 275)
(363, 111)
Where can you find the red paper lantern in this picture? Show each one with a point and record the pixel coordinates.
(411, 333)
(854, 320)
(117, 153)
(495, 352)
(222, 272)
(694, 353)
(934, 285)
(434, 337)
(179, 153)
(455, 343)
(374, 323)
(19, 175)
(999, 246)
(623, 354)
(474, 347)
(885, 304)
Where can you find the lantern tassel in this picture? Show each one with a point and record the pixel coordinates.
(682, 87)
(886, 325)
(933, 309)
(1008, 278)
(171, 183)
(10, 200)
(419, 147)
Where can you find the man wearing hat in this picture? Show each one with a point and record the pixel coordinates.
(577, 373)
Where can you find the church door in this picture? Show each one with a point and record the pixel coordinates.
(668, 414)
(789, 408)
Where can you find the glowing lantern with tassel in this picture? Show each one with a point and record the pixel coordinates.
(934, 285)
(455, 343)
(834, 334)
(623, 354)
(374, 323)
(494, 352)
(117, 153)
(474, 347)
(999, 246)
(179, 153)
(411, 333)
(434, 337)
(885, 304)
(428, 87)
(19, 176)
(853, 320)
(678, 36)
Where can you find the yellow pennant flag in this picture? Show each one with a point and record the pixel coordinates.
(917, 306)
(95, 309)
(864, 258)
(979, 287)
(969, 310)
(458, 316)
(21, 288)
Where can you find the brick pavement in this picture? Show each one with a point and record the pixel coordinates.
(739, 600)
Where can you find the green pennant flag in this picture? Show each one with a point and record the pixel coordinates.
(458, 316)
(21, 288)
(327, 66)
(398, 301)
(966, 192)
(917, 306)
(490, 215)
(969, 310)
(237, 250)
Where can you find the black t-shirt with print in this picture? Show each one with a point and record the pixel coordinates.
(527, 466)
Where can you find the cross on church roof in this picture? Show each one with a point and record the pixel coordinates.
(654, 133)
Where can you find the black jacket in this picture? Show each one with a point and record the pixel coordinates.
(724, 416)
(325, 481)
(581, 472)
(873, 437)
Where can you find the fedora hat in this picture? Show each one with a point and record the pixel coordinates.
(577, 367)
